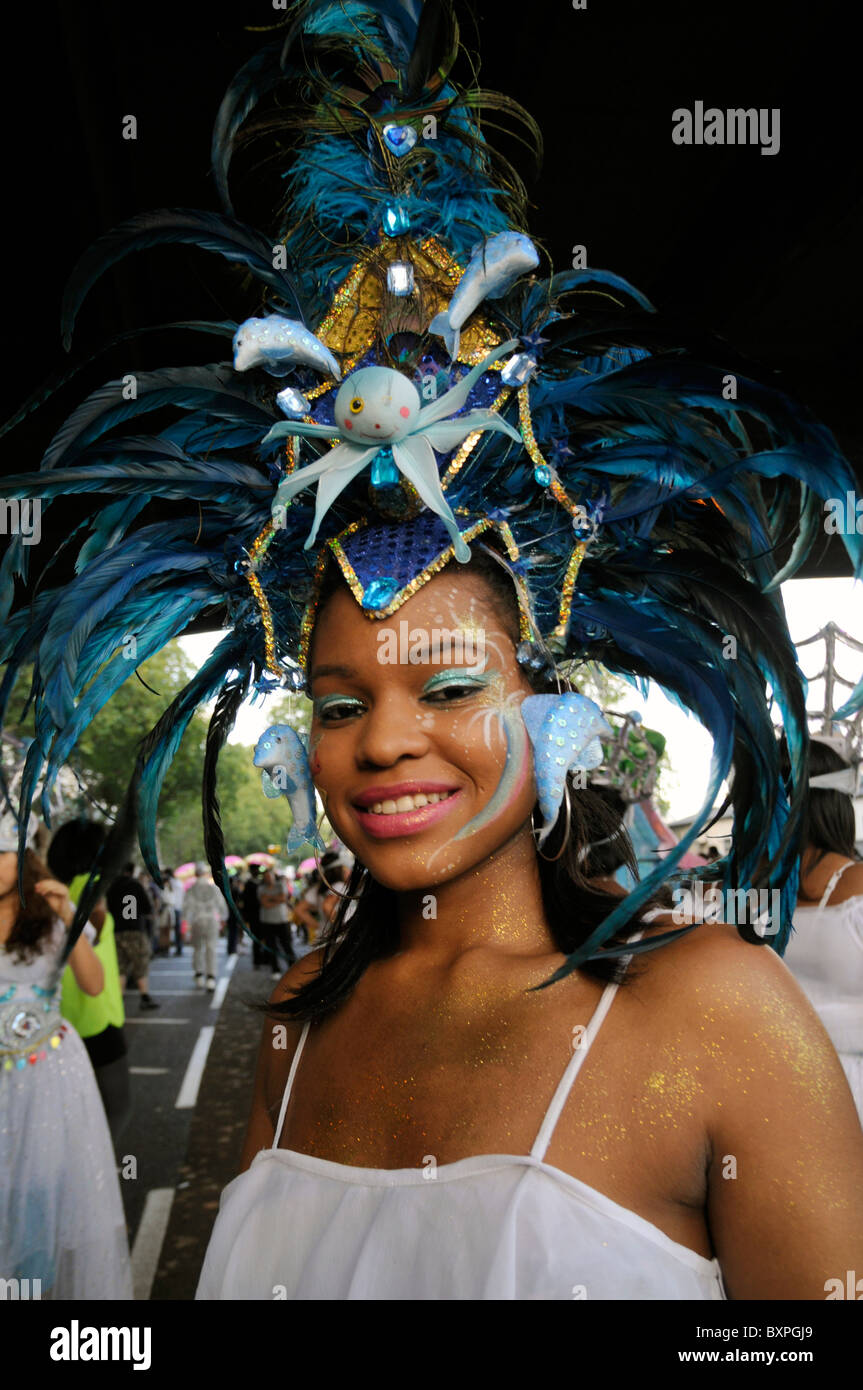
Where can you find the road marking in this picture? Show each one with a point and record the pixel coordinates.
(220, 992)
(149, 1239)
(148, 1071)
(156, 1020)
(172, 970)
(223, 982)
(195, 1070)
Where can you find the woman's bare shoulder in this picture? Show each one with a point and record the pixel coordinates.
(307, 968)
(713, 969)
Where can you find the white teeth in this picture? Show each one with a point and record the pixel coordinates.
(408, 803)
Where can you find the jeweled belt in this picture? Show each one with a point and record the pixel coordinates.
(28, 1027)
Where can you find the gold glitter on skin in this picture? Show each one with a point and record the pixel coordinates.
(440, 1050)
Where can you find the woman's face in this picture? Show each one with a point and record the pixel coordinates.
(418, 747)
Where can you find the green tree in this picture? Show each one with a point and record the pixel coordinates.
(104, 757)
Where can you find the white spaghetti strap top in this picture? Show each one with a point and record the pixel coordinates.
(558, 1100)
(491, 1226)
(567, 1081)
(825, 954)
(291, 1074)
(834, 879)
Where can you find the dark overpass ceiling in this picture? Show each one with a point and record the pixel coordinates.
(762, 250)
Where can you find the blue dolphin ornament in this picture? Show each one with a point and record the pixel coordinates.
(564, 732)
(281, 755)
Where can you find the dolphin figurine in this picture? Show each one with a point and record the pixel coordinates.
(492, 270)
(564, 731)
(277, 344)
(281, 755)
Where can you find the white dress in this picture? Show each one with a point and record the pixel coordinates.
(493, 1226)
(61, 1214)
(825, 954)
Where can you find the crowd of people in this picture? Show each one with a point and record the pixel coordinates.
(65, 1095)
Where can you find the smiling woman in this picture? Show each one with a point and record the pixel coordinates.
(432, 1052)
(495, 1079)
(465, 789)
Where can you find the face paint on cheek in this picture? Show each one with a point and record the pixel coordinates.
(515, 771)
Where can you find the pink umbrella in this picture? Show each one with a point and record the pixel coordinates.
(306, 866)
(260, 858)
(233, 861)
(185, 871)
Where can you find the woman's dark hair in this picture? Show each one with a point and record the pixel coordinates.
(35, 917)
(75, 848)
(573, 906)
(611, 852)
(828, 823)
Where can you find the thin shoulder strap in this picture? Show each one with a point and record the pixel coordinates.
(825, 896)
(567, 1081)
(291, 1074)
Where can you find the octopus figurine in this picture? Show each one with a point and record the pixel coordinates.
(377, 408)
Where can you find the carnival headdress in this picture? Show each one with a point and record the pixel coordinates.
(637, 492)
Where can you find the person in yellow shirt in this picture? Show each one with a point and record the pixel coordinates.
(99, 1019)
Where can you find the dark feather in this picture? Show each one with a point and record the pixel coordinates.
(229, 701)
(209, 230)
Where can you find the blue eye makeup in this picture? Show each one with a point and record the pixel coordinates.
(457, 680)
(333, 708)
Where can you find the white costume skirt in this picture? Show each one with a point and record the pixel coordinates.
(61, 1214)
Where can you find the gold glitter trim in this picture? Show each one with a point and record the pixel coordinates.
(353, 320)
(468, 445)
(311, 608)
(568, 590)
(267, 620)
(560, 495)
(258, 550)
(524, 419)
(334, 545)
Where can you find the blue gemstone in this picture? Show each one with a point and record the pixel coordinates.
(542, 475)
(399, 139)
(396, 221)
(384, 471)
(380, 592)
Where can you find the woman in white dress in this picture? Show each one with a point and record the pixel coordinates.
(512, 473)
(670, 1170)
(826, 949)
(62, 1228)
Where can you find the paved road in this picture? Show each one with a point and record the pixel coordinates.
(168, 1054)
